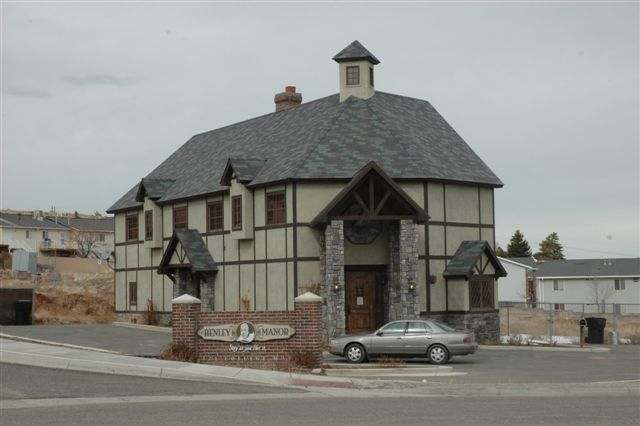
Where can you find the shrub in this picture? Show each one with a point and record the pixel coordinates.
(304, 360)
(179, 352)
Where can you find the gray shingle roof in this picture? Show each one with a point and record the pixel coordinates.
(20, 220)
(589, 267)
(199, 258)
(465, 258)
(87, 224)
(325, 139)
(355, 51)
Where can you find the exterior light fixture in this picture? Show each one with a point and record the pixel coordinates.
(412, 287)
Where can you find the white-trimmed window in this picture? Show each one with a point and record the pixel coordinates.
(619, 284)
(558, 285)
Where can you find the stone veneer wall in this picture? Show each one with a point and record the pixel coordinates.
(332, 269)
(485, 325)
(403, 271)
(307, 342)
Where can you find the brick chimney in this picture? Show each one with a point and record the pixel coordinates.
(288, 99)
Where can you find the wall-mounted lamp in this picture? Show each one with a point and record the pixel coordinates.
(412, 287)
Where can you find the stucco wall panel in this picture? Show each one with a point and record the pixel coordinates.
(486, 205)
(436, 240)
(197, 215)
(458, 295)
(308, 242)
(276, 273)
(436, 201)
(313, 197)
(462, 204)
(261, 287)
(458, 234)
(487, 235)
(308, 276)
(276, 243)
(231, 286)
(438, 289)
(246, 287)
(121, 296)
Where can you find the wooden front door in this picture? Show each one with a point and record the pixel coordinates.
(360, 301)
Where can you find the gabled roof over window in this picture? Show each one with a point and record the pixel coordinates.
(371, 195)
(244, 169)
(190, 253)
(153, 188)
(474, 258)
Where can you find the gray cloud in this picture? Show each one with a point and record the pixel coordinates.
(26, 92)
(99, 80)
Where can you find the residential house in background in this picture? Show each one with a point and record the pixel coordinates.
(56, 234)
(370, 199)
(590, 281)
(32, 232)
(90, 235)
(519, 284)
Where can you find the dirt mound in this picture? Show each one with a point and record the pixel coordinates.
(70, 298)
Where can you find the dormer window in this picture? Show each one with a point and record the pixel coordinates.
(236, 213)
(371, 76)
(353, 75)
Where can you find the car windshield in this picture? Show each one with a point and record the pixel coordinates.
(443, 327)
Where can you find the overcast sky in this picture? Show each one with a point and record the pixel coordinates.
(94, 96)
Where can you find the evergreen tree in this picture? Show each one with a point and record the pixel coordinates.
(500, 252)
(518, 246)
(550, 248)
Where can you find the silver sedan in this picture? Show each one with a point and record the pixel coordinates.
(415, 338)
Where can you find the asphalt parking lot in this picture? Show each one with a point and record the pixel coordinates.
(532, 365)
(125, 340)
(503, 365)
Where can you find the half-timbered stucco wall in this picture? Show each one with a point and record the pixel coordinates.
(266, 270)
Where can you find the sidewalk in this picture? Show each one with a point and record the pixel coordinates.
(67, 358)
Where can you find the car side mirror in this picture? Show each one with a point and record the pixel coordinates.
(378, 333)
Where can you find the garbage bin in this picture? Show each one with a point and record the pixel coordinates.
(596, 330)
(23, 312)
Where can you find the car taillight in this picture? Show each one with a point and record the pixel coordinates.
(467, 339)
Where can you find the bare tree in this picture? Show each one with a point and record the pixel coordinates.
(85, 242)
(600, 292)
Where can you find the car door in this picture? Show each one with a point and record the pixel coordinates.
(389, 340)
(416, 338)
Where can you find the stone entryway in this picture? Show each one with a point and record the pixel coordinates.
(364, 298)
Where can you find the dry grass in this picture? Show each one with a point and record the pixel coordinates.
(535, 322)
(302, 360)
(389, 361)
(179, 352)
(69, 298)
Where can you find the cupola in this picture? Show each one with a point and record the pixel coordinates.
(356, 73)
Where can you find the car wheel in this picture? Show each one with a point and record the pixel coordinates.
(438, 354)
(355, 353)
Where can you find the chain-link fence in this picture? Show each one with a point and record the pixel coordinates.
(555, 321)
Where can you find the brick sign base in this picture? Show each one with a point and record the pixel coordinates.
(303, 350)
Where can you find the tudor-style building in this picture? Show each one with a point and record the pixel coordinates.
(370, 199)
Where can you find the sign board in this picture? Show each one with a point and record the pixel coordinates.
(246, 332)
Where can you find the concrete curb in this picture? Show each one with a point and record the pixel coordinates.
(543, 348)
(62, 345)
(142, 326)
(81, 359)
